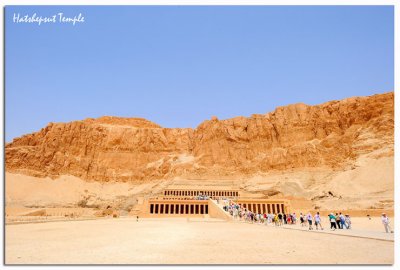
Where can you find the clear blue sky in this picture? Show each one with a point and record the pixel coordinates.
(178, 66)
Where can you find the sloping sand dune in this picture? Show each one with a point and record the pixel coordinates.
(70, 191)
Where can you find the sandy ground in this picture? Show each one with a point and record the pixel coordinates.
(68, 191)
(367, 185)
(190, 241)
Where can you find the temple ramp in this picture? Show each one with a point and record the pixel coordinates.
(216, 211)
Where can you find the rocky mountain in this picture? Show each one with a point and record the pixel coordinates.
(330, 135)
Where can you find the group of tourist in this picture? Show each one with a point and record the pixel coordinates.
(339, 221)
(201, 197)
(238, 212)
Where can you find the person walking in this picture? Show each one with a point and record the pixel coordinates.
(301, 220)
(385, 222)
(276, 219)
(332, 219)
(284, 218)
(317, 220)
(342, 220)
(309, 219)
(280, 219)
(347, 221)
(338, 220)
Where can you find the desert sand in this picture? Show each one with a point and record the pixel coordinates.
(193, 241)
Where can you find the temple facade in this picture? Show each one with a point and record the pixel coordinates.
(207, 201)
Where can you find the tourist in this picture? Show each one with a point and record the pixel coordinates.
(385, 222)
(342, 220)
(280, 219)
(289, 219)
(317, 220)
(332, 219)
(337, 217)
(301, 220)
(309, 219)
(276, 219)
(235, 213)
(284, 218)
(294, 218)
(137, 218)
(269, 218)
(347, 221)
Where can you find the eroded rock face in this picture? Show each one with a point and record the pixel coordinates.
(332, 134)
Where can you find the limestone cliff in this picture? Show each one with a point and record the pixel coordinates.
(329, 135)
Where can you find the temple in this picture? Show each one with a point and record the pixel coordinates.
(206, 201)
